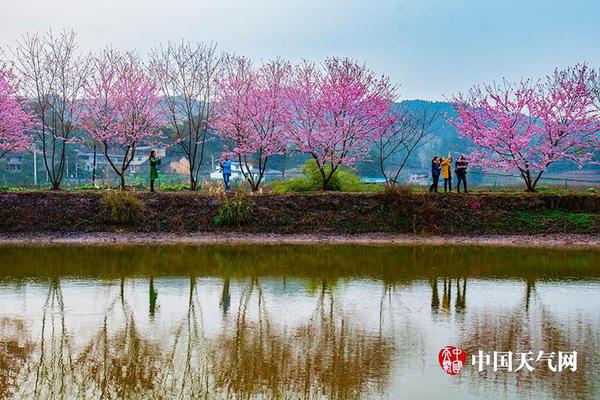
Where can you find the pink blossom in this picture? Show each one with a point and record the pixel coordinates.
(252, 113)
(15, 121)
(526, 127)
(121, 109)
(338, 112)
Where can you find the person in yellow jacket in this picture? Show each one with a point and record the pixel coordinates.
(447, 173)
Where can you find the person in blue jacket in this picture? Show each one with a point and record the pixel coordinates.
(226, 170)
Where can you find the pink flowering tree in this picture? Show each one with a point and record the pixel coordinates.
(15, 121)
(121, 108)
(338, 113)
(525, 128)
(251, 113)
(565, 110)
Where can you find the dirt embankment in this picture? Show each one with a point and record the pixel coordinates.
(395, 213)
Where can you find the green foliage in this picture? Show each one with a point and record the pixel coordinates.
(119, 207)
(343, 180)
(89, 186)
(581, 220)
(15, 188)
(592, 191)
(236, 210)
(539, 221)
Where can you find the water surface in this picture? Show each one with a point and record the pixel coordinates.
(292, 322)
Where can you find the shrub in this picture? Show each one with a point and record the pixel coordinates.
(236, 210)
(592, 190)
(343, 180)
(120, 207)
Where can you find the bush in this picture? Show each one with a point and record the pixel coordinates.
(236, 210)
(592, 190)
(343, 180)
(120, 207)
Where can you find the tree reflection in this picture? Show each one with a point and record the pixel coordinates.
(186, 372)
(16, 347)
(326, 356)
(54, 371)
(120, 363)
(531, 327)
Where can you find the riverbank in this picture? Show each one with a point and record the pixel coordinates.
(391, 213)
(571, 241)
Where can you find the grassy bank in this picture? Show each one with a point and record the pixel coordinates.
(397, 212)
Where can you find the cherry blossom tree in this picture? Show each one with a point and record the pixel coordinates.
(186, 75)
(15, 121)
(52, 72)
(527, 127)
(252, 113)
(121, 108)
(338, 112)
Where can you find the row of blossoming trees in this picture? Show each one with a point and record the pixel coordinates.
(338, 112)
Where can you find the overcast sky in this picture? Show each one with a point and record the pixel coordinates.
(430, 48)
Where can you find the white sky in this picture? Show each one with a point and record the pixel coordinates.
(431, 48)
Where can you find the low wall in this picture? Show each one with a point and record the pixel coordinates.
(399, 212)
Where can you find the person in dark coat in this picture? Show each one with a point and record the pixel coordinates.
(154, 163)
(436, 168)
(460, 168)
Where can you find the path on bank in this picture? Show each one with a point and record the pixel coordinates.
(200, 238)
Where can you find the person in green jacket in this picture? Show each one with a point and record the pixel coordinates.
(154, 163)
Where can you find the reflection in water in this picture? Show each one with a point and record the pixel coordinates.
(120, 363)
(531, 326)
(16, 347)
(287, 322)
(325, 355)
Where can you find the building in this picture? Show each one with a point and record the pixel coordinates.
(236, 172)
(140, 158)
(14, 162)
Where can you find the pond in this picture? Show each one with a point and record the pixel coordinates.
(296, 322)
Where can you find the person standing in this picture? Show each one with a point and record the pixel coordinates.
(447, 173)
(435, 174)
(226, 170)
(461, 166)
(154, 163)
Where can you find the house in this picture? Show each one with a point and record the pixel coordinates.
(236, 171)
(15, 162)
(173, 165)
(139, 159)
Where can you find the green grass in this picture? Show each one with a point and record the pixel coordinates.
(545, 220)
(174, 187)
(119, 207)
(234, 211)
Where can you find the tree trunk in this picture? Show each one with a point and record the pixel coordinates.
(122, 176)
(193, 182)
(94, 167)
